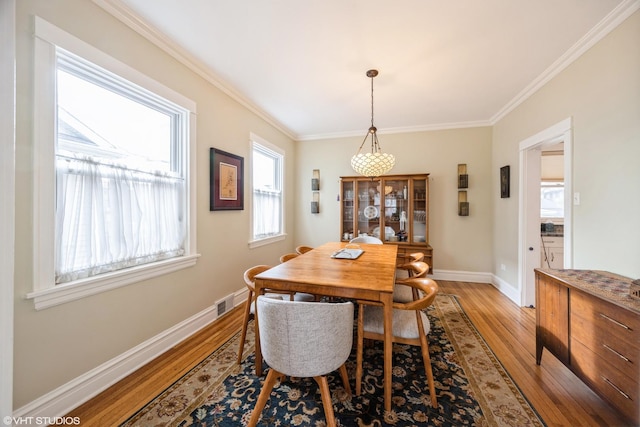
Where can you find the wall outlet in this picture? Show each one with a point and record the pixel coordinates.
(576, 198)
(503, 267)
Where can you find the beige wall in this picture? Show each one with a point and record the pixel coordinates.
(459, 243)
(56, 345)
(601, 92)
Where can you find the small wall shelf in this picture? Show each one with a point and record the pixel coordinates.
(315, 189)
(463, 182)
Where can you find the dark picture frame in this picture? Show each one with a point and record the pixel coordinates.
(225, 181)
(504, 182)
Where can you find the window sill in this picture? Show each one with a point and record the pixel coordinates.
(78, 289)
(266, 241)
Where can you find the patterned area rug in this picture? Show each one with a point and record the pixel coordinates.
(472, 386)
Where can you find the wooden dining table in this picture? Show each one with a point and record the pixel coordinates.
(370, 277)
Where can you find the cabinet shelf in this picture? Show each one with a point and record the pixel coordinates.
(402, 203)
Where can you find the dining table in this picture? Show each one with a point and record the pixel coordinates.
(369, 277)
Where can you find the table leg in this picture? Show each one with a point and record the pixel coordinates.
(388, 349)
(258, 361)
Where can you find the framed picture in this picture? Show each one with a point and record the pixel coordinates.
(504, 182)
(226, 185)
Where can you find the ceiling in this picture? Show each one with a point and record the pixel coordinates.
(442, 64)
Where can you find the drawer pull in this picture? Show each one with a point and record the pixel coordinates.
(616, 353)
(614, 321)
(616, 388)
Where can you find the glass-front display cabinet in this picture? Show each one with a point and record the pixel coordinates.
(393, 208)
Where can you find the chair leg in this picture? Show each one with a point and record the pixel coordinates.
(424, 345)
(359, 349)
(326, 400)
(243, 335)
(345, 378)
(269, 382)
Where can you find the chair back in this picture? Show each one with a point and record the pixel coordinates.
(366, 239)
(415, 269)
(427, 291)
(251, 273)
(287, 257)
(305, 339)
(303, 249)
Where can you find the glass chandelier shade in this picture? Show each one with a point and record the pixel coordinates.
(375, 163)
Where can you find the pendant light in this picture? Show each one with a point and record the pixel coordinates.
(375, 163)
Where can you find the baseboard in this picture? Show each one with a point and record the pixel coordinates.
(507, 289)
(478, 277)
(62, 400)
(462, 276)
(65, 398)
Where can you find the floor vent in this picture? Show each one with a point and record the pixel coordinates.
(224, 305)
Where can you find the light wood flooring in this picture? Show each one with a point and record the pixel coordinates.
(558, 396)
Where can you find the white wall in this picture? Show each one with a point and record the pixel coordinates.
(56, 345)
(601, 92)
(459, 243)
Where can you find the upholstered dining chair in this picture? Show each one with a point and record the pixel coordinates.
(366, 239)
(305, 340)
(410, 326)
(403, 261)
(249, 307)
(287, 257)
(403, 293)
(303, 249)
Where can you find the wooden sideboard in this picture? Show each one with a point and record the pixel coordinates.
(588, 320)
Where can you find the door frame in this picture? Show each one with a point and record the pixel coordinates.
(529, 203)
(7, 207)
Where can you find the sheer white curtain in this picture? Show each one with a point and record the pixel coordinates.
(267, 222)
(109, 217)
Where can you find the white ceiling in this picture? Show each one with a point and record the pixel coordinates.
(302, 63)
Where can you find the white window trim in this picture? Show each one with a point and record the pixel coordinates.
(45, 292)
(255, 243)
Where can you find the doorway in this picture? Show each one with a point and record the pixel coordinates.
(529, 240)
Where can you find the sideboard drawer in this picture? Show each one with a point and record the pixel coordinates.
(606, 380)
(619, 354)
(622, 324)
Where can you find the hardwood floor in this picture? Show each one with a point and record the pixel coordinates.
(558, 396)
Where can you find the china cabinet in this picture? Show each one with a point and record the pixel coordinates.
(393, 208)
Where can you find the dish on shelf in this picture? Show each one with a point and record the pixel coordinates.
(370, 212)
(388, 231)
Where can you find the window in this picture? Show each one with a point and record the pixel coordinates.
(552, 199)
(113, 198)
(267, 165)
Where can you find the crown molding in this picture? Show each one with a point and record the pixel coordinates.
(597, 33)
(123, 13)
(128, 17)
(406, 129)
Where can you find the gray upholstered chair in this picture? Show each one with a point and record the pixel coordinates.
(249, 307)
(410, 326)
(366, 239)
(304, 339)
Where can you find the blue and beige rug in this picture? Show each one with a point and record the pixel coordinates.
(472, 386)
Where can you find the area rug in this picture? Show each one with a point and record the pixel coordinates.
(472, 387)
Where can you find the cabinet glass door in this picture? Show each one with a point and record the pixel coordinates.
(420, 209)
(369, 209)
(348, 207)
(396, 211)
